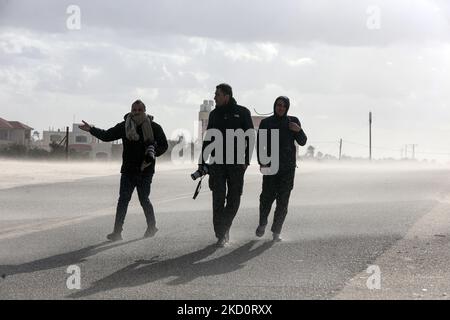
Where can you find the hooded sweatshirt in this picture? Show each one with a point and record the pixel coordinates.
(287, 150)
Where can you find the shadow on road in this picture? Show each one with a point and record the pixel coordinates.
(185, 268)
(60, 260)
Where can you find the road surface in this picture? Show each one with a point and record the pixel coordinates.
(341, 220)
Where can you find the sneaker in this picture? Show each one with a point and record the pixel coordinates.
(221, 242)
(115, 236)
(150, 232)
(260, 231)
(276, 237)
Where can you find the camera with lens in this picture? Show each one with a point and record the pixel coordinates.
(201, 171)
(150, 153)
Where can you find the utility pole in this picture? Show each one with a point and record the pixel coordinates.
(370, 135)
(414, 151)
(67, 143)
(340, 149)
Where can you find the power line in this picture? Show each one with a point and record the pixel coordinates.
(365, 145)
(316, 142)
(356, 143)
(441, 153)
(338, 142)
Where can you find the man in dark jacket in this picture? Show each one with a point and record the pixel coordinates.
(143, 140)
(278, 185)
(231, 122)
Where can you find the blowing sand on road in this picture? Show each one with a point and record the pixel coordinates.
(347, 225)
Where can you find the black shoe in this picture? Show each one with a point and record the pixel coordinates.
(150, 232)
(260, 231)
(115, 236)
(276, 237)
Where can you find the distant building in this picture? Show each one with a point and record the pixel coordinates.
(203, 116)
(82, 141)
(14, 132)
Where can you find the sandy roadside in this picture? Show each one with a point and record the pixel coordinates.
(15, 173)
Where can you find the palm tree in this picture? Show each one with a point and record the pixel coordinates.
(310, 152)
(36, 135)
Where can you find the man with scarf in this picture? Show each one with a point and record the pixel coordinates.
(226, 174)
(277, 186)
(143, 140)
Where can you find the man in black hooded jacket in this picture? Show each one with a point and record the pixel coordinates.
(143, 140)
(226, 174)
(277, 186)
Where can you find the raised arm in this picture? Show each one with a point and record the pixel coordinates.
(296, 128)
(111, 134)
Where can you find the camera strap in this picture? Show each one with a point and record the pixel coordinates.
(197, 190)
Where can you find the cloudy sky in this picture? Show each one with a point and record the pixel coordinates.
(336, 60)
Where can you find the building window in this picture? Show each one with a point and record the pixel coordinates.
(101, 155)
(3, 135)
(81, 139)
(55, 138)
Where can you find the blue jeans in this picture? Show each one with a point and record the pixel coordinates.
(127, 184)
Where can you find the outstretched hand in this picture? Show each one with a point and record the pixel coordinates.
(85, 126)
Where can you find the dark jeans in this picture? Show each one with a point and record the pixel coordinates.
(127, 184)
(276, 187)
(221, 178)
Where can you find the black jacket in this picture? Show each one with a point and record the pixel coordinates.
(287, 150)
(230, 116)
(133, 151)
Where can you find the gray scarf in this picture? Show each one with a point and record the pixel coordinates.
(132, 122)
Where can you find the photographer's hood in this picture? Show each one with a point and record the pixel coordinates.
(286, 102)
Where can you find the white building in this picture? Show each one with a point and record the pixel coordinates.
(81, 141)
(203, 116)
(14, 132)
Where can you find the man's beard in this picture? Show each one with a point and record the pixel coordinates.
(139, 118)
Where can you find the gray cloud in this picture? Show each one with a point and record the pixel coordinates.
(341, 22)
(173, 53)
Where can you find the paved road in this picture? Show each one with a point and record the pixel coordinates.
(340, 221)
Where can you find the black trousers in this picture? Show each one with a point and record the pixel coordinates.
(127, 184)
(276, 187)
(226, 182)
